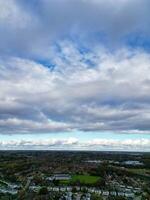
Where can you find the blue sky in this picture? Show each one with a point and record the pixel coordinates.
(76, 134)
(75, 74)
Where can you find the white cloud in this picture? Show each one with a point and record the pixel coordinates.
(49, 142)
(12, 15)
(74, 143)
(121, 144)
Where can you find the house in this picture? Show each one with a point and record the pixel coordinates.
(61, 177)
(105, 193)
(88, 196)
(69, 196)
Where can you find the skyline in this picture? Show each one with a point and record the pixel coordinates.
(74, 75)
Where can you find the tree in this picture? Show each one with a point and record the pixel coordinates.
(43, 191)
(37, 180)
(101, 183)
(74, 190)
(96, 197)
(84, 190)
(119, 198)
(56, 182)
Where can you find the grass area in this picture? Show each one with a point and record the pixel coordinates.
(83, 179)
(87, 179)
(140, 171)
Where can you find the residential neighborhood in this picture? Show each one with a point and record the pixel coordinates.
(96, 175)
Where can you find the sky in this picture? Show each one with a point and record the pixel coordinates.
(75, 75)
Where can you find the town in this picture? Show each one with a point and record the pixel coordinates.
(72, 175)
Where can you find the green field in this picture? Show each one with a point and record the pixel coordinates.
(140, 171)
(87, 179)
(83, 179)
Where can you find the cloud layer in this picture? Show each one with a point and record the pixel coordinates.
(112, 95)
(73, 143)
(75, 66)
(30, 28)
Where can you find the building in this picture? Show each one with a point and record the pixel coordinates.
(60, 177)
